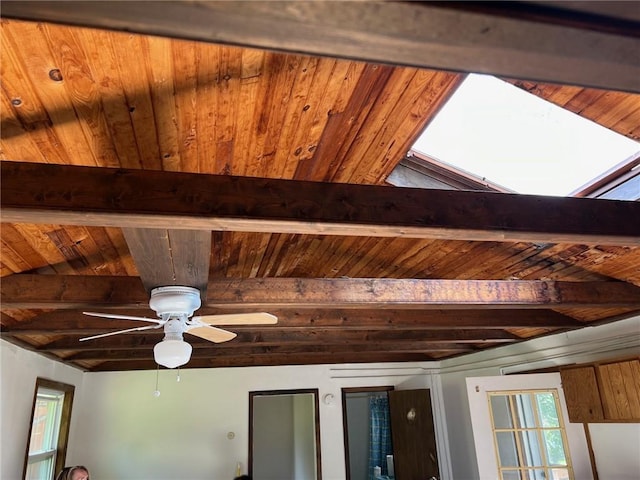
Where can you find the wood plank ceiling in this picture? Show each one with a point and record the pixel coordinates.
(355, 270)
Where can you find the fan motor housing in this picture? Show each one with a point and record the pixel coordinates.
(175, 300)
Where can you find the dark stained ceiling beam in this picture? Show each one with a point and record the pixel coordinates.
(170, 257)
(540, 46)
(256, 360)
(70, 322)
(94, 292)
(242, 350)
(274, 337)
(72, 195)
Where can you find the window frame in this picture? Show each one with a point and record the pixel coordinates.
(539, 430)
(64, 424)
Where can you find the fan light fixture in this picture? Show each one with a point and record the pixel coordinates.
(172, 352)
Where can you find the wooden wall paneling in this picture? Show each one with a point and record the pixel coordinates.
(18, 254)
(619, 390)
(411, 111)
(378, 116)
(36, 236)
(103, 51)
(38, 62)
(84, 92)
(308, 96)
(351, 125)
(163, 84)
(330, 133)
(30, 115)
(582, 394)
(280, 76)
(296, 116)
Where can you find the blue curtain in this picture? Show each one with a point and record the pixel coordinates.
(379, 434)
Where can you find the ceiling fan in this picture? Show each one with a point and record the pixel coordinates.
(175, 306)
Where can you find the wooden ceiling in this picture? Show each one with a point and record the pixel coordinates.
(131, 161)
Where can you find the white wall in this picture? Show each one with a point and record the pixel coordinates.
(589, 344)
(19, 369)
(127, 433)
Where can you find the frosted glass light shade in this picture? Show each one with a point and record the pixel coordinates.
(172, 353)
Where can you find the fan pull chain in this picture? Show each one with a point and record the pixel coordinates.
(178, 378)
(156, 393)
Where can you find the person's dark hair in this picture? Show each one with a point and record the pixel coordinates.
(243, 477)
(67, 472)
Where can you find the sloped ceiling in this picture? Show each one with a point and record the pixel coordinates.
(258, 175)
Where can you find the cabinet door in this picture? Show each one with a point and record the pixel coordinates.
(620, 390)
(582, 395)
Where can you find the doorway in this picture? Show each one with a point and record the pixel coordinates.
(284, 435)
(412, 450)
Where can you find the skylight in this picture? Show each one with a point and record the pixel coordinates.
(512, 138)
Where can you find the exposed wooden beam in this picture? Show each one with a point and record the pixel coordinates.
(170, 257)
(240, 351)
(275, 337)
(70, 322)
(400, 293)
(76, 291)
(542, 46)
(256, 360)
(72, 195)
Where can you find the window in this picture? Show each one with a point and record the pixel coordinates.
(501, 134)
(50, 417)
(529, 436)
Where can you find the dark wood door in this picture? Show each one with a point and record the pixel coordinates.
(414, 440)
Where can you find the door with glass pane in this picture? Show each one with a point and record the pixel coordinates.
(521, 429)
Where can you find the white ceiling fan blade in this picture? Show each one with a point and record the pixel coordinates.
(124, 317)
(213, 334)
(136, 329)
(258, 318)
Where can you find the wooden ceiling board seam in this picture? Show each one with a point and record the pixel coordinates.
(158, 60)
(251, 76)
(228, 80)
(207, 90)
(186, 105)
